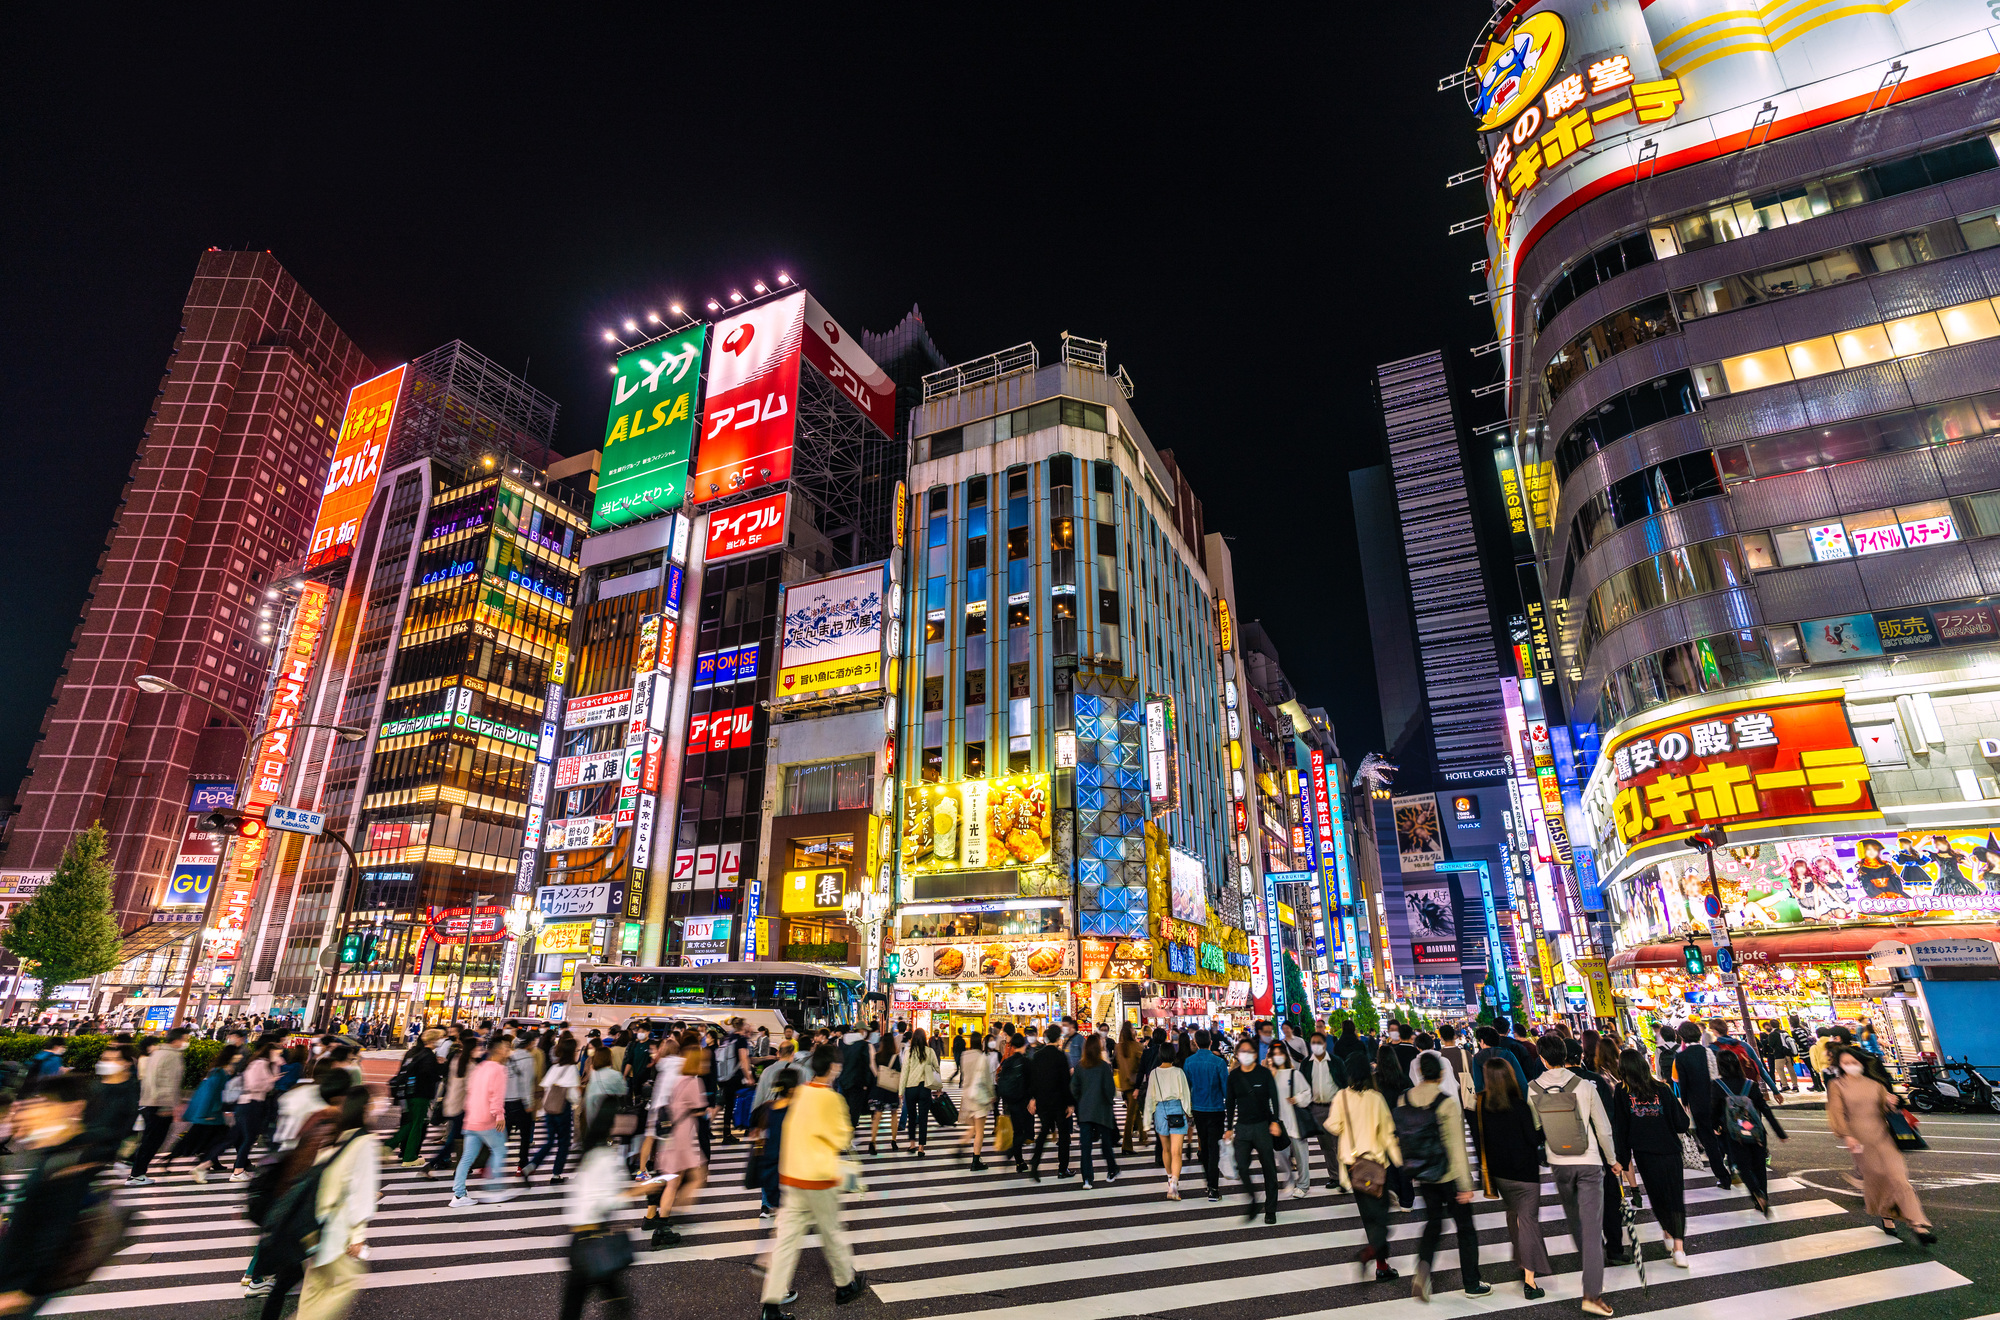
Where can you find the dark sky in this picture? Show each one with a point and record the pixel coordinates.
(1248, 205)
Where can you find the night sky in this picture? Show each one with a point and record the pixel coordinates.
(1252, 216)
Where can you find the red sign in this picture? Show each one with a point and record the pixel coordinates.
(449, 924)
(275, 748)
(849, 370)
(720, 730)
(357, 462)
(746, 528)
(1777, 762)
(1322, 809)
(753, 392)
(649, 776)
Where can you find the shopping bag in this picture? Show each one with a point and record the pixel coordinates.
(1903, 1127)
(942, 1109)
(745, 1102)
(1226, 1158)
(851, 1181)
(1693, 1157)
(1003, 1134)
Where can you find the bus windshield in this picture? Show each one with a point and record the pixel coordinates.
(808, 997)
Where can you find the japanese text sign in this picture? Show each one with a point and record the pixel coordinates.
(745, 529)
(357, 462)
(279, 741)
(1768, 762)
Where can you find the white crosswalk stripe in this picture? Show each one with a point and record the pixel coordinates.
(941, 1242)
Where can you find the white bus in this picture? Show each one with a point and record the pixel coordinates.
(772, 994)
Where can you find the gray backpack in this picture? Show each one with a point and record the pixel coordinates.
(1563, 1124)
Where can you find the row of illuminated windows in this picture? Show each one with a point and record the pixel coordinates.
(1614, 334)
(1686, 669)
(1688, 570)
(1903, 527)
(1021, 421)
(1740, 217)
(1964, 324)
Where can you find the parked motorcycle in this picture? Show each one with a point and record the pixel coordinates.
(1951, 1087)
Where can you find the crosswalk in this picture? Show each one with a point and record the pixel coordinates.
(941, 1242)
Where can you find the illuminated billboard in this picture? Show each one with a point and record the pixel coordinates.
(1188, 887)
(357, 462)
(650, 431)
(1783, 761)
(278, 743)
(977, 824)
(831, 636)
(838, 356)
(744, 529)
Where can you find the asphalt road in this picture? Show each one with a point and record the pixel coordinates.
(942, 1243)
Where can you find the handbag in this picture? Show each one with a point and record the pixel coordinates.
(556, 1101)
(600, 1254)
(1368, 1177)
(942, 1109)
(1693, 1158)
(1226, 1157)
(1003, 1134)
(851, 1181)
(1903, 1127)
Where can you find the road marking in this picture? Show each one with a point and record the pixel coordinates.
(1807, 1299)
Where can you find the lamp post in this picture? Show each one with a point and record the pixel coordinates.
(154, 685)
(1706, 842)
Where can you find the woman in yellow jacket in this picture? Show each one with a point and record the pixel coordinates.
(1360, 1117)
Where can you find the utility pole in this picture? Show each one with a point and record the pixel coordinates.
(1706, 842)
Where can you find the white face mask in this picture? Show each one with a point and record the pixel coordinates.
(1319, 1049)
(106, 1067)
(1246, 1057)
(1850, 1067)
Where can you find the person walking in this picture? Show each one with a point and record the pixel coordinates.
(680, 1098)
(1168, 1108)
(1857, 1112)
(457, 1075)
(1774, 1046)
(1322, 1075)
(920, 1078)
(520, 1093)
(887, 1095)
(344, 1204)
(1368, 1150)
(159, 1096)
(40, 1235)
(283, 1254)
(557, 1109)
(598, 1261)
(975, 1094)
(1647, 1123)
(1740, 1115)
(1294, 1115)
(816, 1136)
(1251, 1120)
(1695, 1070)
(1600, 1065)
(1013, 1086)
(1208, 1085)
(1430, 1130)
(604, 1084)
(1048, 1077)
(253, 1104)
(1129, 1076)
(1092, 1090)
(1510, 1137)
(113, 1107)
(732, 1071)
(421, 1072)
(1392, 1074)
(1576, 1131)
(208, 1127)
(485, 1124)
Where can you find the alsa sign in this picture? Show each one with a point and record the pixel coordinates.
(746, 528)
(1767, 763)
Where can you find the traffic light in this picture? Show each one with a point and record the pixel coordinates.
(233, 822)
(1706, 841)
(351, 947)
(1691, 955)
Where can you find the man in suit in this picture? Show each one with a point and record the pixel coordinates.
(1048, 1079)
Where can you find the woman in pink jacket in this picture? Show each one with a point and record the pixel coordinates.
(675, 1151)
(253, 1107)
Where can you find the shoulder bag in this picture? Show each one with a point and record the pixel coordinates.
(599, 1255)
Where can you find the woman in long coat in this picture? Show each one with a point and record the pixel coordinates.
(1857, 1110)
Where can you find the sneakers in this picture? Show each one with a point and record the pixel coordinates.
(1299, 1193)
(241, 1175)
(199, 1174)
(1420, 1286)
(1478, 1289)
(843, 1295)
(412, 1164)
(665, 1236)
(1173, 1189)
(559, 1180)
(1214, 1195)
(138, 1180)
(773, 1311)
(461, 1202)
(255, 1287)
(1681, 1257)
(977, 1167)
(1089, 1186)
(767, 1214)
(1111, 1177)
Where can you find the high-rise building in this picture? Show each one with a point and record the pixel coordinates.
(222, 495)
(448, 604)
(1743, 292)
(1063, 751)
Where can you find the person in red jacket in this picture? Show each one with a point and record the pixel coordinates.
(485, 1123)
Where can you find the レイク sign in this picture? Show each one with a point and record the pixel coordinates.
(1774, 762)
(650, 431)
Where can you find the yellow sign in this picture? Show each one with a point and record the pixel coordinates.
(820, 889)
(565, 937)
(568, 981)
(1286, 915)
(854, 671)
(977, 824)
(1548, 965)
(1513, 70)
(1222, 624)
(1598, 983)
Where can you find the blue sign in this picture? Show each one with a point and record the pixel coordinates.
(294, 821)
(673, 588)
(746, 662)
(206, 795)
(1725, 959)
(1274, 949)
(190, 885)
(1496, 957)
(158, 1015)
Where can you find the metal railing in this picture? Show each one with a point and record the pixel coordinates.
(1021, 357)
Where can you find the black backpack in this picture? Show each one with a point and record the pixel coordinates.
(1422, 1141)
(291, 1221)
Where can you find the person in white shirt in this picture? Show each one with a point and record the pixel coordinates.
(1579, 1175)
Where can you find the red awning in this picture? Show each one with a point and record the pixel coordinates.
(1808, 945)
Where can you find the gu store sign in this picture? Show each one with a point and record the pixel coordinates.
(1779, 762)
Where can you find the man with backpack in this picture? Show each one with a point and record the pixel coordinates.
(1430, 1129)
(47, 1248)
(732, 1066)
(417, 1079)
(45, 1063)
(1578, 1135)
(1694, 1083)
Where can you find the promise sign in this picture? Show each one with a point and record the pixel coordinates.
(649, 434)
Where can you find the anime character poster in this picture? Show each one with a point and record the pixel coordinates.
(1950, 871)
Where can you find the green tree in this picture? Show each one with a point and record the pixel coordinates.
(66, 933)
(1366, 1020)
(1298, 1006)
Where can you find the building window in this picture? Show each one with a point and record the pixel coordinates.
(830, 786)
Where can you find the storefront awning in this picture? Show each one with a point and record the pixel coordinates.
(1839, 944)
(154, 936)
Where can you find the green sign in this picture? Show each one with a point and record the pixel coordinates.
(650, 433)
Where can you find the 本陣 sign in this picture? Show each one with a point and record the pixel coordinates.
(650, 432)
(1770, 762)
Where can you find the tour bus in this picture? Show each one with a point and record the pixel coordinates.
(769, 994)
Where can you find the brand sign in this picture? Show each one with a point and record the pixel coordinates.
(460, 924)
(736, 664)
(598, 900)
(206, 795)
(604, 708)
(744, 529)
(705, 936)
(813, 890)
(831, 636)
(357, 462)
(976, 824)
(650, 431)
(1778, 762)
(190, 884)
(720, 730)
(565, 937)
(751, 412)
(590, 768)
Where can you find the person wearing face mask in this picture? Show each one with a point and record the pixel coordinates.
(40, 1236)
(114, 1103)
(1251, 1120)
(1294, 1115)
(1857, 1112)
(1321, 1075)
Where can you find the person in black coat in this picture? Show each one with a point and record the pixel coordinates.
(1749, 1157)
(857, 1076)
(421, 1066)
(1694, 1082)
(1048, 1084)
(41, 1224)
(1014, 1088)
(113, 1108)
(1647, 1123)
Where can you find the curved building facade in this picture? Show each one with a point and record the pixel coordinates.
(1745, 272)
